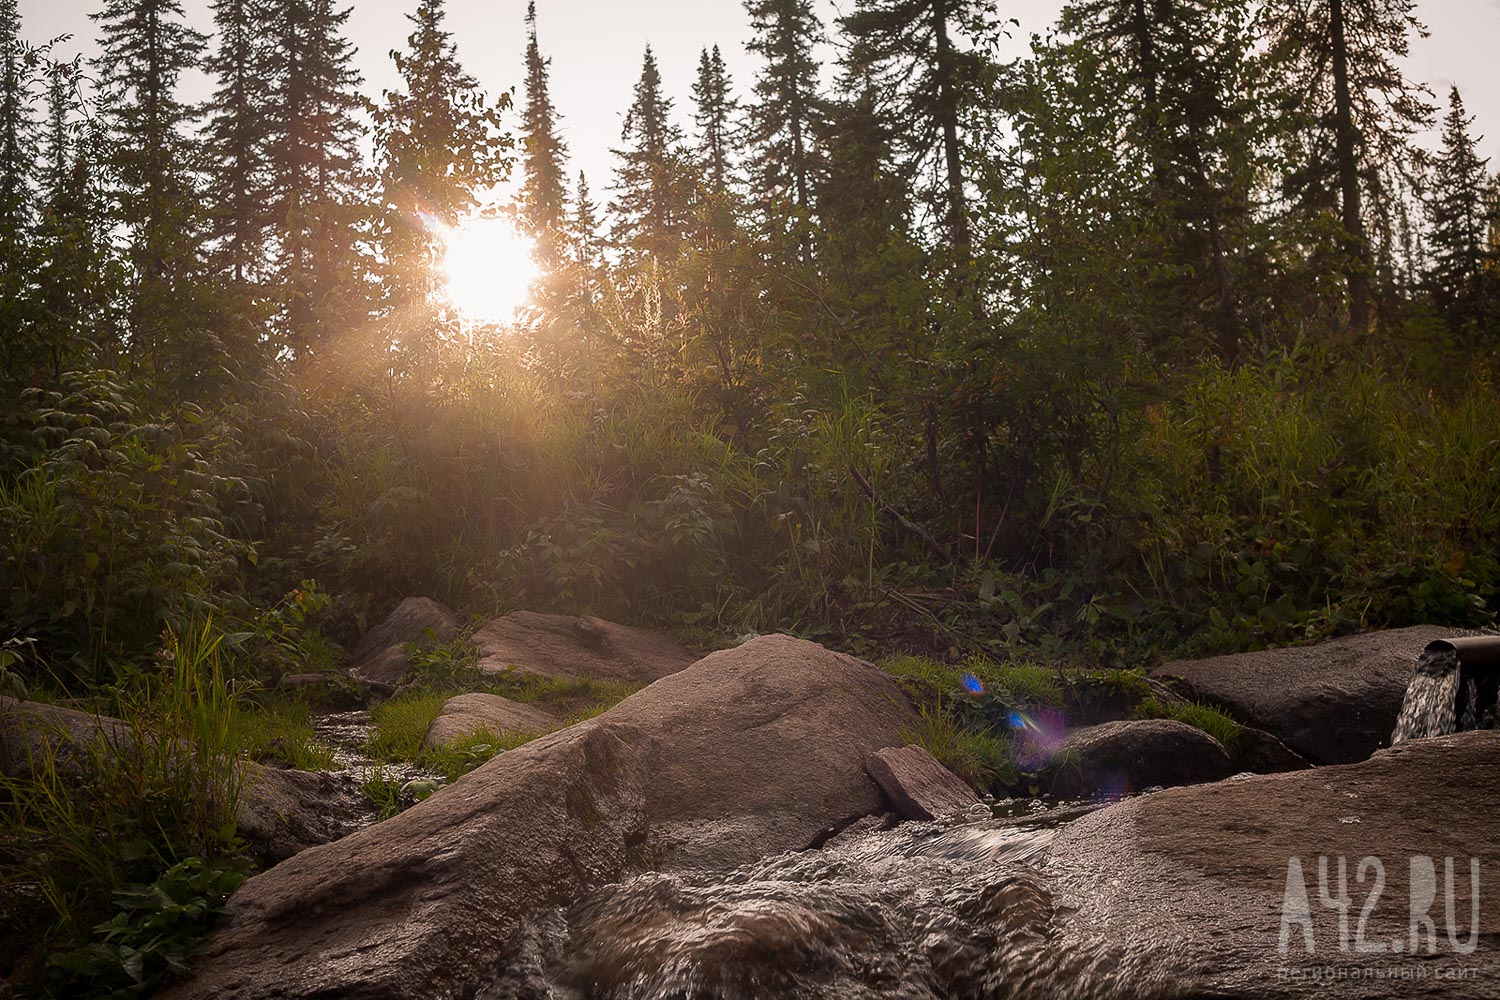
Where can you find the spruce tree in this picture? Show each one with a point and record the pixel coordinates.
(1457, 214)
(782, 117)
(17, 133)
(438, 145)
(146, 48)
(316, 192)
(714, 112)
(648, 192)
(238, 138)
(1180, 82)
(543, 192)
(1341, 61)
(929, 82)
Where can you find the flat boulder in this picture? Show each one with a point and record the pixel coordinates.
(1199, 878)
(1333, 702)
(1117, 758)
(568, 647)
(917, 784)
(751, 751)
(466, 714)
(380, 655)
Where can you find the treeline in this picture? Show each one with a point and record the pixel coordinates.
(1143, 323)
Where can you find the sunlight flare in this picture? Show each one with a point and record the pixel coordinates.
(488, 269)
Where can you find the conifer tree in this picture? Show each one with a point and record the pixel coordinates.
(715, 107)
(146, 48)
(543, 192)
(17, 133)
(238, 139)
(648, 203)
(1457, 214)
(1341, 59)
(782, 116)
(438, 144)
(928, 81)
(315, 177)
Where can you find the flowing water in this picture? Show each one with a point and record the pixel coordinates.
(924, 910)
(346, 734)
(1431, 704)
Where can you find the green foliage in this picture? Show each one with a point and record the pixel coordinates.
(154, 935)
(1213, 721)
(117, 526)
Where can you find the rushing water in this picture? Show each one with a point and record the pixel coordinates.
(1447, 696)
(346, 734)
(1431, 704)
(925, 910)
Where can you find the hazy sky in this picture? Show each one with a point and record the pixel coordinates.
(596, 45)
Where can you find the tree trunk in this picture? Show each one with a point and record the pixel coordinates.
(947, 110)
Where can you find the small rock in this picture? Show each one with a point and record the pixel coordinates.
(1114, 758)
(564, 646)
(380, 656)
(466, 714)
(918, 786)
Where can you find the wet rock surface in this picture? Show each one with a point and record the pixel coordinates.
(751, 751)
(1332, 702)
(564, 646)
(1204, 870)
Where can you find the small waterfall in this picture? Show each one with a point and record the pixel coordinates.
(1431, 704)
(1450, 692)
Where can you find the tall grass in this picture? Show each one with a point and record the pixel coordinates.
(119, 805)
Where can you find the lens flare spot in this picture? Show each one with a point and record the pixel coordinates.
(973, 684)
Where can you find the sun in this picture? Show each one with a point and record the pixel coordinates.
(488, 269)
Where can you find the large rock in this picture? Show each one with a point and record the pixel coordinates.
(1333, 702)
(1116, 758)
(562, 646)
(1202, 872)
(466, 714)
(280, 811)
(380, 655)
(918, 786)
(751, 751)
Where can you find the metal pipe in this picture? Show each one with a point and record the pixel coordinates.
(1472, 650)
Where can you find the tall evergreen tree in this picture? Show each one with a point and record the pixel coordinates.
(1457, 213)
(648, 197)
(930, 82)
(714, 109)
(146, 48)
(315, 177)
(1341, 60)
(17, 133)
(543, 193)
(786, 98)
(439, 144)
(1190, 106)
(238, 137)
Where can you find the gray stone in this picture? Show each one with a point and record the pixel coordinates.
(1332, 702)
(465, 714)
(918, 786)
(1116, 758)
(563, 646)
